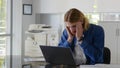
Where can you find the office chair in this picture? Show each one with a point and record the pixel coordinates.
(106, 55)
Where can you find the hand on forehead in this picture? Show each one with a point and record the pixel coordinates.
(68, 24)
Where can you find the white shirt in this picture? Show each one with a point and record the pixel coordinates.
(78, 54)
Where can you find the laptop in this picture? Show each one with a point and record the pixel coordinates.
(58, 55)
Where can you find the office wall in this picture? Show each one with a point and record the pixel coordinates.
(54, 6)
(26, 21)
(83, 5)
(17, 33)
(108, 5)
(20, 25)
(101, 5)
(51, 8)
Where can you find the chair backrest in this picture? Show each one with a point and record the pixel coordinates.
(106, 55)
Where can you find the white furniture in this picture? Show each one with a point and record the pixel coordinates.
(112, 39)
(60, 6)
(99, 66)
(50, 6)
(81, 66)
(36, 36)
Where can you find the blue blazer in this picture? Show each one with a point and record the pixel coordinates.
(93, 43)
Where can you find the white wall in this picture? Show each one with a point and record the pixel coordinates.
(83, 5)
(108, 5)
(17, 34)
(26, 21)
(20, 25)
(52, 6)
(60, 6)
(102, 5)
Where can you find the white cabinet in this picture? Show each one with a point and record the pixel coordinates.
(83, 5)
(61, 6)
(50, 6)
(112, 38)
(108, 5)
(58, 6)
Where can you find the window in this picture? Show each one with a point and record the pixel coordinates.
(5, 34)
(93, 17)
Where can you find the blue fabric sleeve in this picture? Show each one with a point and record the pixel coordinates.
(63, 41)
(95, 50)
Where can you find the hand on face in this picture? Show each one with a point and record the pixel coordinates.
(75, 29)
(70, 35)
(79, 30)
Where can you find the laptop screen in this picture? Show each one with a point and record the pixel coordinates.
(58, 55)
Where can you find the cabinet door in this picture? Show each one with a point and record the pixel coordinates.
(50, 6)
(110, 38)
(119, 43)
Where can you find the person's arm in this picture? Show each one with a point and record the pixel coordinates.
(95, 50)
(63, 41)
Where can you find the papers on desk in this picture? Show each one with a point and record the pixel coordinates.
(100, 66)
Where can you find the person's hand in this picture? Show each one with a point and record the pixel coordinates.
(70, 35)
(79, 30)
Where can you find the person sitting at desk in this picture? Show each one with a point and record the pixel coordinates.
(89, 37)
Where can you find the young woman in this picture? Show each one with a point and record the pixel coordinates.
(89, 37)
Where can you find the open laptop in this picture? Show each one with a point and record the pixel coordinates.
(58, 55)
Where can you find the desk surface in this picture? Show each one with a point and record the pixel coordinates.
(81, 66)
(41, 64)
(55, 66)
(100, 66)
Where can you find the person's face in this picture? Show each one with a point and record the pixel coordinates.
(72, 26)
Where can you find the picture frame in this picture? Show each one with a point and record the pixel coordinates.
(27, 9)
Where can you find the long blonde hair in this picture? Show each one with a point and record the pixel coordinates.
(74, 15)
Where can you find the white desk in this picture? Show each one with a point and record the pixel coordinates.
(29, 59)
(29, 62)
(81, 66)
(100, 66)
